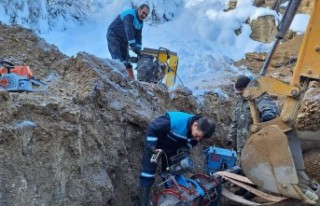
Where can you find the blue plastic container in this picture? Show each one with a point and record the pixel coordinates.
(219, 159)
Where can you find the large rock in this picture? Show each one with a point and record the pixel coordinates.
(264, 29)
(278, 5)
(306, 6)
(309, 115)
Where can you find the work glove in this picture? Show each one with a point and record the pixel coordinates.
(136, 49)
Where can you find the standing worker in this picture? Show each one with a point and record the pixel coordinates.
(241, 119)
(172, 132)
(126, 30)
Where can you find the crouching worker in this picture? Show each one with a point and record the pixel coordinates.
(171, 132)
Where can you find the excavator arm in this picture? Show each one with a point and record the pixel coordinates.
(272, 157)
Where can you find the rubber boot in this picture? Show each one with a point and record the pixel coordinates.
(144, 197)
(130, 73)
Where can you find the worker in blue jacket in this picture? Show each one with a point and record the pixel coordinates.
(126, 30)
(171, 132)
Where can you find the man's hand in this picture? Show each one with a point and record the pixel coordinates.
(136, 49)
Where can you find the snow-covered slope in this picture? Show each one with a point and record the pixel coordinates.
(200, 31)
(42, 16)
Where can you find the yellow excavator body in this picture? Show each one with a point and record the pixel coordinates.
(272, 156)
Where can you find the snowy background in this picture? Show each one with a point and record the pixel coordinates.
(198, 30)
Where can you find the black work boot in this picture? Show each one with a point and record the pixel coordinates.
(144, 196)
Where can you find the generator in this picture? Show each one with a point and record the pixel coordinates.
(218, 159)
(155, 65)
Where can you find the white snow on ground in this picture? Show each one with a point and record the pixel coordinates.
(199, 31)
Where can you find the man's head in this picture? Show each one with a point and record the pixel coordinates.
(202, 128)
(241, 83)
(143, 11)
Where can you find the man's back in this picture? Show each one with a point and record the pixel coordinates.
(126, 26)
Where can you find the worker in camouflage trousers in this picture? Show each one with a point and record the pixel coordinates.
(124, 31)
(170, 133)
(241, 117)
(242, 120)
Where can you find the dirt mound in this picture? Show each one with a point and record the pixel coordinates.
(282, 63)
(79, 143)
(72, 144)
(312, 163)
(309, 116)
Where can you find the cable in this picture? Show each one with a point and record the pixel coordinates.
(180, 80)
(166, 158)
(191, 94)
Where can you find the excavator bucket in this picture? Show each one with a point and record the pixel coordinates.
(267, 161)
(272, 157)
(272, 160)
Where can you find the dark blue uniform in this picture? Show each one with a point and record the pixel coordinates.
(125, 30)
(169, 133)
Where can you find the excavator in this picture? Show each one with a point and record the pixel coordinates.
(272, 156)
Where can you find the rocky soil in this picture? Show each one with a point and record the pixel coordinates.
(79, 143)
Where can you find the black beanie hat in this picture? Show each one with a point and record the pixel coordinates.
(207, 126)
(242, 82)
